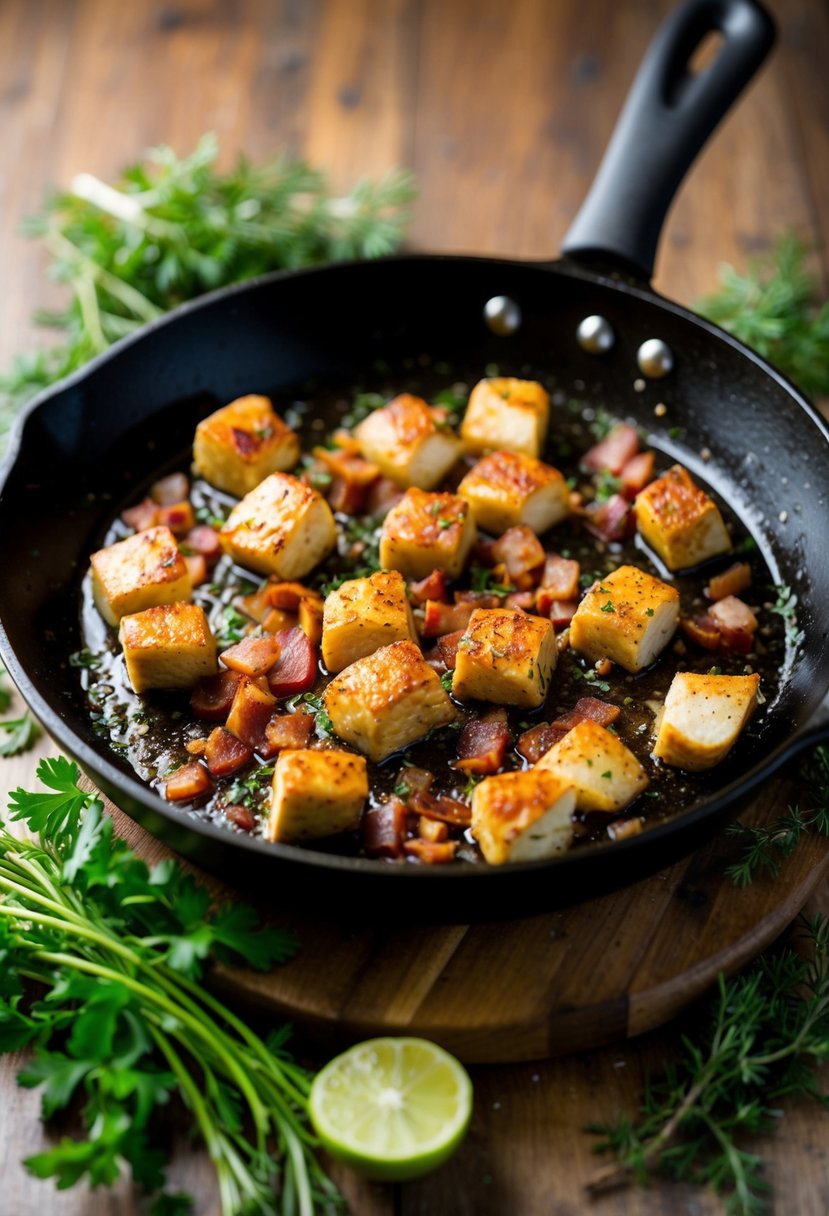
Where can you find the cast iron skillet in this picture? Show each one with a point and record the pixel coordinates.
(91, 444)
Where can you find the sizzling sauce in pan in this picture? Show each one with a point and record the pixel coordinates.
(152, 732)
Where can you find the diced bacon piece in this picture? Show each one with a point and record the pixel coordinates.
(242, 817)
(142, 516)
(417, 780)
(432, 587)
(196, 568)
(213, 696)
(525, 600)
(277, 620)
(286, 731)
(623, 829)
(258, 605)
(431, 854)
(252, 656)
(349, 497)
(482, 552)
(483, 743)
(384, 829)
(178, 518)
(538, 740)
(481, 599)
(599, 711)
(288, 595)
(225, 753)
(204, 540)
(520, 550)
(561, 577)
(169, 490)
(432, 830)
(383, 494)
(449, 810)
(448, 647)
(611, 520)
(732, 581)
(560, 612)
(613, 453)
(187, 783)
(636, 474)
(296, 670)
(702, 630)
(441, 619)
(250, 713)
(736, 622)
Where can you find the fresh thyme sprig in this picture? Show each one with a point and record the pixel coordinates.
(768, 1030)
(173, 228)
(766, 847)
(100, 963)
(775, 308)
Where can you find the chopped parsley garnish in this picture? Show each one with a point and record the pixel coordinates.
(485, 581)
(608, 607)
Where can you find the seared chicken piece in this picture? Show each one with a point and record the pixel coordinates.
(239, 445)
(316, 793)
(505, 656)
(137, 573)
(364, 614)
(506, 489)
(606, 774)
(168, 646)
(703, 717)
(426, 532)
(508, 414)
(523, 816)
(387, 700)
(406, 443)
(283, 527)
(627, 616)
(680, 521)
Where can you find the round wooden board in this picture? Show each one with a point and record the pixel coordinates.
(536, 987)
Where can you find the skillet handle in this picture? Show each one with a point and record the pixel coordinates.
(669, 113)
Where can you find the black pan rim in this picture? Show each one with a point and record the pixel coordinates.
(93, 761)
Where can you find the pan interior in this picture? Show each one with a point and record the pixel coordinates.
(90, 446)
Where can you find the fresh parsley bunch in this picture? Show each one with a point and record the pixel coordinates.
(173, 228)
(100, 963)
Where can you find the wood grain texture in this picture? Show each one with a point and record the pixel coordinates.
(502, 111)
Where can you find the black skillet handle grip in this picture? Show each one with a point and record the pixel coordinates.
(669, 113)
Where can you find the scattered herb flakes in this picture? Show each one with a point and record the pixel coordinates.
(786, 607)
(362, 405)
(608, 607)
(85, 658)
(446, 680)
(486, 582)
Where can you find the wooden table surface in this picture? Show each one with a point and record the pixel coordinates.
(502, 110)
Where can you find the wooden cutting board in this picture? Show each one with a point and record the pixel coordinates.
(541, 986)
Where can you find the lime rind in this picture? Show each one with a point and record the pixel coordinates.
(393, 1108)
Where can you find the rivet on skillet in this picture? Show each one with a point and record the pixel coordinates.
(502, 315)
(595, 335)
(655, 359)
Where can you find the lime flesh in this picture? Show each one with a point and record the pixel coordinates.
(392, 1108)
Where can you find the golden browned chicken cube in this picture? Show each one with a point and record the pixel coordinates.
(138, 573)
(506, 414)
(387, 700)
(506, 489)
(364, 614)
(680, 521)
(406, 442)
(505, 656)
(316, 793)
(283, 527)
(703, 717)
(627, 616)
(168, 646)
(426, 532)
(239, 445)
(606, 774)
(523, 816)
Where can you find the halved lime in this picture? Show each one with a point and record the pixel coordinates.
(392, 1108)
